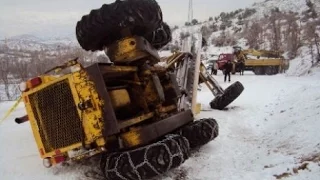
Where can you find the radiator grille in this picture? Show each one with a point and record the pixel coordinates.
(56, 115)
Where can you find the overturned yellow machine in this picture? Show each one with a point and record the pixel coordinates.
(131, 112)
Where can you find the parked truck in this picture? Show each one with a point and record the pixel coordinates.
(261, 62)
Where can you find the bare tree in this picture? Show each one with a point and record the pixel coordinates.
(21, 69)
(206, 32)
(254, 35)
(292, 33)
(275, 26)
(5, 67)
(311, 37)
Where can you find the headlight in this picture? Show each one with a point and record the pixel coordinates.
(47, 163)
(23, 86)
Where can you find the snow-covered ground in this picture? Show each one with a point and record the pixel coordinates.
(271, 129)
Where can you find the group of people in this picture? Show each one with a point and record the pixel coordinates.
(227, 69)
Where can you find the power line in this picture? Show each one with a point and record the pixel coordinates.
(190, 12)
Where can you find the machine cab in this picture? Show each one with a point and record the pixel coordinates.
(236, 49)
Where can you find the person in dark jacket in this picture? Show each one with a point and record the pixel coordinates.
(227, 70)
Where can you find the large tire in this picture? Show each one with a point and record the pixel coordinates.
(272, 70)
(200, 132)
(229, 95)
(148, 161)
(160, 37)
(103, 26)
(259, 71)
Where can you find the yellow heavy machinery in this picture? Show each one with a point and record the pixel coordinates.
(132, 113)
(185, 68)
(266, 62)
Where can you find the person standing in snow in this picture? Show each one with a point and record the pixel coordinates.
(214, 69)
(227, 70)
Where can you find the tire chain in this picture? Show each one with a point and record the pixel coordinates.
(195, 129)
(146, 149)
(214, 129)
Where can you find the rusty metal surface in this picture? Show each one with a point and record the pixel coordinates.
(132, 49)
(164, 109)
(112, 71)
(119, 98)
(130, 122)
(153, 131)
(110, 120)
(158, 87)
(211, 83)
(175, 86)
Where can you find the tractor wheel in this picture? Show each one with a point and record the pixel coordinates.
(229, 95)
(147, 161)
(259, 70)
(104, 26)
(160, 37)
(200, 132)
(272, 70)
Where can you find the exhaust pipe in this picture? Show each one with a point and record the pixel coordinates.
(22, 119)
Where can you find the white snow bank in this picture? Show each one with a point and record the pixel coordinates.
(302, 64)
(165, 53)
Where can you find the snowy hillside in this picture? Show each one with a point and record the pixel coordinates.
(272, 25)
(33, 43)
(283, 5)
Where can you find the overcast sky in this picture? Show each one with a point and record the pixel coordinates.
(54, 17)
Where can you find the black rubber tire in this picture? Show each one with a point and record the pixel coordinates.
(229, 95)
(271, 70)
(259, 71)
(160, 37)
(148, 161)
(103, 26)
(200, 132)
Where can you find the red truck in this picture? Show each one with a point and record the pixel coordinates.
(223, 58)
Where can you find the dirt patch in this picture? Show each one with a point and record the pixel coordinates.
(283, 175)
(231, 108)
(303, 166)
(303, 161)
(268, 166)
(310, 158)
(181, 174)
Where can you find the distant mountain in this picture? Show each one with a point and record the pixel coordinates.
(232, 24)
(33, 43)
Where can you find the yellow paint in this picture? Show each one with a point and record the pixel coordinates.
(197, 109)
(119, 98)
(82, 90)
(127, 50)
(131, 138)
(130, 122)
(263, 62)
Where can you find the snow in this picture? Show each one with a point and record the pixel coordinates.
(263, 133)
(283, 5)
(302, 64)
(165, 53)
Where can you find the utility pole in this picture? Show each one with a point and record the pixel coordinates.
(190, 12)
